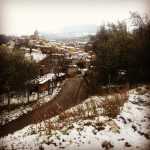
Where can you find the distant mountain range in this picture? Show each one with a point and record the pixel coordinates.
(70, 32)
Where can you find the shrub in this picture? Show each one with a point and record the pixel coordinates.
(113, 105)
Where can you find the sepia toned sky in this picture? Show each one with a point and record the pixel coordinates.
(19, 17)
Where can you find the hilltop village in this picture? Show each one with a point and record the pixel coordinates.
(57, 61)
(54, 56)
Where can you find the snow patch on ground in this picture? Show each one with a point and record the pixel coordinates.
(48, 77)
(6, 116)
(36, 55)
(129, 130)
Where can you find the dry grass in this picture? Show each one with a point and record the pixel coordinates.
(110, 105)
(143, 90)
(113, 105)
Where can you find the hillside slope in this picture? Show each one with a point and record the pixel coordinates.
(129, 130)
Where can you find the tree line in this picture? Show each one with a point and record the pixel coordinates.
(122, 54)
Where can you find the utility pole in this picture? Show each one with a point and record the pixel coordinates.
(109, 77)
(48, 87)
(38, 91)
(28, 91)
(8, 94)
(8, 98)
(52, 84)
(78, 92)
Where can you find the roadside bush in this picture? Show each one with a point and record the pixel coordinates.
(113, 105)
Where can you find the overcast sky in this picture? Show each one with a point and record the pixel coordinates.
(24, 16)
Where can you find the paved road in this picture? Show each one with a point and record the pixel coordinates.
(72, 93)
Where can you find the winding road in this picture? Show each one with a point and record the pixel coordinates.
(72, 92)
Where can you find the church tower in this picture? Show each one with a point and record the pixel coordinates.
(36, 34)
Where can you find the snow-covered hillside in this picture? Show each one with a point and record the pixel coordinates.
(129, 130)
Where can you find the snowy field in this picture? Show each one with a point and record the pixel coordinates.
(130, 130)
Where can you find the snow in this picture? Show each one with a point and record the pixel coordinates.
(36, 55)
(83, 71)
(47, 77)
(74, 66)
(17, 99)
(129, 130)
(6, 116)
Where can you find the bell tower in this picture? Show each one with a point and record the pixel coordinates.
(36, 34)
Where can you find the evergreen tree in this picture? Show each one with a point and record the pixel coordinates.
(118, 49)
